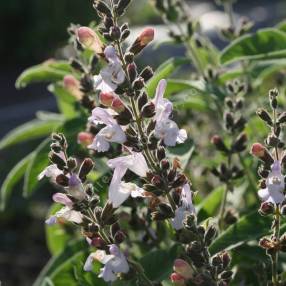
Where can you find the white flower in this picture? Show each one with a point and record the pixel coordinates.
(66, 212)
(114, 263)
(275, 186)
(185, 208)
(163, 107)
(134, 162)
(111, 133)
(112, 75)
(166, 129)
(51, 172)
(119, 191)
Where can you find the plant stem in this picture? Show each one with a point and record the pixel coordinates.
(274, 257)
(224, 200)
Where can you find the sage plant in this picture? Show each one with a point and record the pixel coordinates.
(122, 114)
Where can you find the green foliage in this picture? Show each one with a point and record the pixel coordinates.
(265, 44)
(164, 71)
(249, 227)
(32, 130)
(14, 176)
(49, 71)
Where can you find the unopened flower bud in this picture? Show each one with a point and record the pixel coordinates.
(115, 33)
(119, 237)
(62, 180)
(165, 164)
(138, 84)
(85, 138)
(77, 65)
(161, 153)
(121, 7)
(264, 115)
(142, 100)
(177, 279)
(226, 274)
(57, 159)
(106, 98)
(240, 143)
(266, 243)
(148, 110)
(282, 118)
(166, 210)
(259, 151)
(218, 142)
(229, 120)
(209, 235)
(225, 259)
(157, 181)
(183, 268)
(56, 147)
(273, 93)
(71, 163)
(102, 8)
(132, 71)
(72, 85)
(85, 168)
(146, 36)
(118, 105)
(147, 73)
(89, 39)
(180, 181)
(129, 57)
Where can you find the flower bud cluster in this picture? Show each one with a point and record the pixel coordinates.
(213, 269)
(234, 123)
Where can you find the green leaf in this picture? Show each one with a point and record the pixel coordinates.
(70, 250)
(158, 264)
(38, 161)
(31, 130)
(210, 204)
(282, 26)
(189, 102)
(12, 179)
(49, 71)
(163, 72)
(58, 235)
(264, 44)
(250, 227)
(175, 86)
(66, 101)
(182, 151)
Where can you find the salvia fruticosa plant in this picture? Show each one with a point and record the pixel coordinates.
(154, 181)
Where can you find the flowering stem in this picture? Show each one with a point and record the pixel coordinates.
(274, 256)
(224, 200)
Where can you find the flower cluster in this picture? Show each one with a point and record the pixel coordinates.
(134, 132)
(272, 183)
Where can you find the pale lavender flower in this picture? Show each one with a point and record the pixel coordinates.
(273, 193)
(186, 207)
(112, 75)
(51, 172)
(111, 133)
(114, 263)
(166, 129)
(66, 213)
(119, 191)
